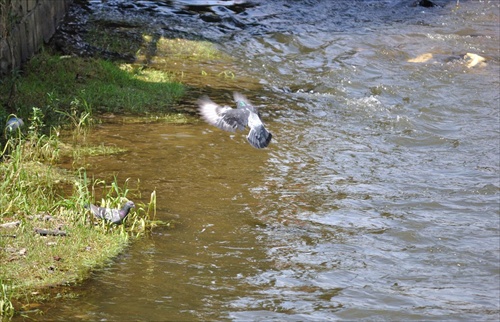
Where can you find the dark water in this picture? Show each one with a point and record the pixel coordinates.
(377, 200)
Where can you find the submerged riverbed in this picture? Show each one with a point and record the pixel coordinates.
(377, 199)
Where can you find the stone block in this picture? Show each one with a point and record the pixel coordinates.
(32, 23)
(31, 4)
(45, 20)
(15, 47)
(24, 40)
(5, 61)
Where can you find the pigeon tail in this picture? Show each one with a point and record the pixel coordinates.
(259, 137)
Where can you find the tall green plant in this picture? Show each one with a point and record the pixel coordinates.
(6, 306)
(79, 115)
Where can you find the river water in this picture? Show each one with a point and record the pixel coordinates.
(378, 198)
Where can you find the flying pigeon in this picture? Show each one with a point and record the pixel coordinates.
(230, 119)
(115, 216)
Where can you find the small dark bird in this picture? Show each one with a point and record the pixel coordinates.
(230, 119)
(115, 216)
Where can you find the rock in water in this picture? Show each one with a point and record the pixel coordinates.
(230, 119)
(115, 216)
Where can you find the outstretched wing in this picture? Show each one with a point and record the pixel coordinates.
(223, 117)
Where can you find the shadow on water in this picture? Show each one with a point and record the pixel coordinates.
(378, 198)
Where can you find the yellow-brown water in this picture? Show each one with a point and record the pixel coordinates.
(378, 198)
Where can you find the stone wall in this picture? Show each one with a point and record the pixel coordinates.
(24, 26)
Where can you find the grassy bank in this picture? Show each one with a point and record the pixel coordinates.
(47, 237)
(51, 82)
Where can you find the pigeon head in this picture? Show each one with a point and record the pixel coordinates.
(126, 208)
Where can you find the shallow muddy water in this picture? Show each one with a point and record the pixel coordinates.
(378, 198)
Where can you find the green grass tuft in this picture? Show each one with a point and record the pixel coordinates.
(104, 85)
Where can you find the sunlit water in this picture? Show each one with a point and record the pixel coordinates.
(378, 198)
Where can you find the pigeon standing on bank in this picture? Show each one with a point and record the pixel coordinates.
(13, 125)
(115, 216)
(230, 119)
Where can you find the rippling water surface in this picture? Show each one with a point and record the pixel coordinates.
(377, 200)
